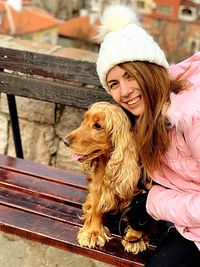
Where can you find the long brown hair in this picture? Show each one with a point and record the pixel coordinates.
(150, 130)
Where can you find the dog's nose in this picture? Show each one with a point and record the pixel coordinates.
(67, 141)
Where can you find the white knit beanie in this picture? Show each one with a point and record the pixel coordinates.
(125, 40)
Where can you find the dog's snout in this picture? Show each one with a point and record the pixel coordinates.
(67, 141)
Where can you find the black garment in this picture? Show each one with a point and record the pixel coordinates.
(175, 251)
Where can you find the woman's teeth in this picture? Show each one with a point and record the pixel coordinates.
(134, 101)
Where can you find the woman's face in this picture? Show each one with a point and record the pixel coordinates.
(125, 90)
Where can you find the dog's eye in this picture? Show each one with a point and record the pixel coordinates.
(97, 126)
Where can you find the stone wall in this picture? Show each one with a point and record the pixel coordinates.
(43, 126)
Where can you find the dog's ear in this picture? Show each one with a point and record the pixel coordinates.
(122, 169)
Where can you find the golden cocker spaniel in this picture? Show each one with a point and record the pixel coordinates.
(104, 145)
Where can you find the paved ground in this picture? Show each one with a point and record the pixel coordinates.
(18, 252)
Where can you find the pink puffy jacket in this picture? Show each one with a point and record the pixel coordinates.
(177, 197)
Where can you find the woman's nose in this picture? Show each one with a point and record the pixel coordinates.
(125, 89)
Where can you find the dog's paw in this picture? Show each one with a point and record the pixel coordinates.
(137, 247)
(91, 238)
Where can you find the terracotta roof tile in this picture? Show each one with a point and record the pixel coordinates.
(30, 19)
(80, 27)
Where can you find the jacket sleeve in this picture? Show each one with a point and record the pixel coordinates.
(180, 208)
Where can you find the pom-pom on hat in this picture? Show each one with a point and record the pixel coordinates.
(124, 40)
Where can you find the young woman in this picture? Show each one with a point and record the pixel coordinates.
(166, 102)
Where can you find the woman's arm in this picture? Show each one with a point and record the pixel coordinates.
(181, 208)
(178, 207)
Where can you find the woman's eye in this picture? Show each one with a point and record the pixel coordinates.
(97, 126)
(113, 85)
(129, 76)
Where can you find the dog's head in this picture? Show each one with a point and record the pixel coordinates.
(106, 130)
(99, 132)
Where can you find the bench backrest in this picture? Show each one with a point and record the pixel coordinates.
(51, 78)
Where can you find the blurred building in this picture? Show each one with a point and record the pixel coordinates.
(28, 22)
(174, 24)
(61, 9)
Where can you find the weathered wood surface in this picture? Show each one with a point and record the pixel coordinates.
(43, 203)
(49, 66)
(51, 91)
(50, 78)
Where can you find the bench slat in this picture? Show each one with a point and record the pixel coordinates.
(35, 186)
(77, 179)
(49, 91)
(38, 205)
(62, 235)
(49, 66)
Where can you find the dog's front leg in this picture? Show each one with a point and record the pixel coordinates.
(93, 233)
(132, 235)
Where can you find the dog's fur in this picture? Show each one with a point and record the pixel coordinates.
(105, 147)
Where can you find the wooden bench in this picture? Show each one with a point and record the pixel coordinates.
(42, 203)
(39, 202)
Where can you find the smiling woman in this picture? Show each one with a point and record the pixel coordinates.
(165, 103)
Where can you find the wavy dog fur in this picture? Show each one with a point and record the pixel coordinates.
(104, 145)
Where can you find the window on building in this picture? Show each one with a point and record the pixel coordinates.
(140, 4)
(186, 12)
(46, 38)
(165, 9)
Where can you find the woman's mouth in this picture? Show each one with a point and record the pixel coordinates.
(134, 101)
